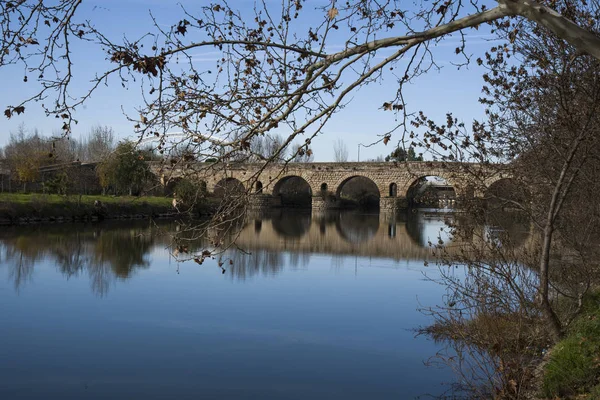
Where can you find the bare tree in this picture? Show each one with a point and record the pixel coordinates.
(274, 148)
(257, 148)
(26, 152)
(301, 154)
(99, 144)
(63, 151)
(543, 131)
(340, 151)
(273, 73)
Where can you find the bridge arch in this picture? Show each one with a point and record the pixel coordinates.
(293, 191)
(229, 187)
(361, 189)
(432, 190)
(506, 192)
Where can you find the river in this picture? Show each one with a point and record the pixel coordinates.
(309, 307)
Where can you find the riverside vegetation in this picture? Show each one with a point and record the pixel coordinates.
(20, 208)
(44, 180)
(573, 366)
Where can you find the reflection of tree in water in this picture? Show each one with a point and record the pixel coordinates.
(258, 262)
(124, 250)
(109, 251)
(299, 259)
(262, 262)
(112, 252)
(21, 255)
(70, 254)
(101, 277)
(117, 254)
(21, 266)
(325, 218)
(357, 228)
(192, 237)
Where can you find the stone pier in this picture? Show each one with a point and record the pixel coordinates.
(392, 204)
(320, 203)
(263, 201)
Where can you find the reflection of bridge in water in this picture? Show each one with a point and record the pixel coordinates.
(396, 236)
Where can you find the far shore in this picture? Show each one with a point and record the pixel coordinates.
(22, 208)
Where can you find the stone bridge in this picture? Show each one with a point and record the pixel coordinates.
(392, 179)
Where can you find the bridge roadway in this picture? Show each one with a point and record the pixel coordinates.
(393, 179)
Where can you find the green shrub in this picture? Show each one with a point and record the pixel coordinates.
(594, 393)
(191, 195)
(59, 184)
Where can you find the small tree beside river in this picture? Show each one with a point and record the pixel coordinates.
(125, 170)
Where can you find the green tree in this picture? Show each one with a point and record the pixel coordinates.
(125, 170)
(59, 184)
(400, 154)
(190, 194)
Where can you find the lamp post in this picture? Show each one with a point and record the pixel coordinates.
(360, 144)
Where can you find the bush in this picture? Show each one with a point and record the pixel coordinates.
(190, 195)
(125, 170)
(59, 184)
(594, 393)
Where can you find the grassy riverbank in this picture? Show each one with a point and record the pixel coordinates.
(27, 208)
(573, 368)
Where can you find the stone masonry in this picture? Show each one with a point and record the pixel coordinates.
(393, 179)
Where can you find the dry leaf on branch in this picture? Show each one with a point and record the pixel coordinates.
(332, 13)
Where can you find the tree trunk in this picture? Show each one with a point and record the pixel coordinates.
(560, 192)
(549, 314)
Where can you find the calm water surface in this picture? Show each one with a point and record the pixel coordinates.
(323, 307)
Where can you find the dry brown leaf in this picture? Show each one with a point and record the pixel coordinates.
(332, 13)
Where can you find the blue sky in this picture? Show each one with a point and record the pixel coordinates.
(437, 93)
